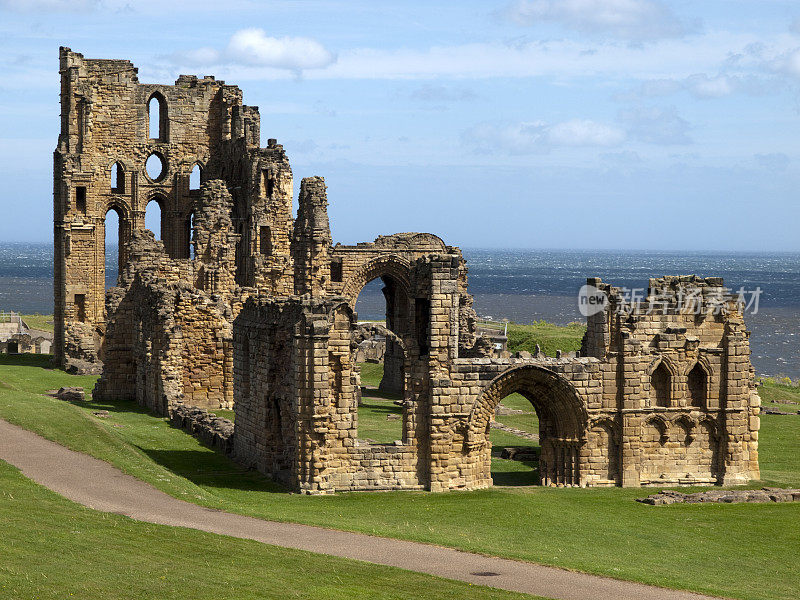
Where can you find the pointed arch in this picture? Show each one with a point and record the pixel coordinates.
(604, 439)
(392, 265)
(661, 427)
(697, 382)
(122, 220)
(117, 173)
(662, 376)
(155, 211)
(563, 420)
(196, 176)
(157, 117)
(687, 425)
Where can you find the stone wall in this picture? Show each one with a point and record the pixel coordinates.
(241, 306)
(105, 133)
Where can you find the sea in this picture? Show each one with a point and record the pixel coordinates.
(529, 285)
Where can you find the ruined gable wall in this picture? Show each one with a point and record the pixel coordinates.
(105, 121)
(260, 180)
(296, 406)
(168, 341)
(265, 391)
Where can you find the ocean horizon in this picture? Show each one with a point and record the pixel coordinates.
(526, 285)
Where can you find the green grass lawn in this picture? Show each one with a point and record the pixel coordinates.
(373, 423)
(780, 396)
(549, 337)
(42, 322)
(732, 550)
(371, 374)
(53, 549)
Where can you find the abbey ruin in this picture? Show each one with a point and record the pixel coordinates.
(245, 306)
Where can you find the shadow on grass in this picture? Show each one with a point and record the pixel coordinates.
(208, 468)
(518, 478)
(510, 472)
(44, 361)
(212, 470)
(380, 407)
(372, 392)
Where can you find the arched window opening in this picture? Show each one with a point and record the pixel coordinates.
(156, 167)
(661, 385)
(195, 178)
(698, 386)
(381, 361)
(117, 179)
(113, 237)
(157, 117)
(153, 218)
(336, 270)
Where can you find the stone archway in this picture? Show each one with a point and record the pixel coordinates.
(563, 422)
(395, 273)
(389, 265)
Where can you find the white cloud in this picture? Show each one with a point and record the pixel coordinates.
(703, 86)
(635, 20)
(656, 126)
(49, 5)
(562, 59)
(788, 63)
(252, 47)
(699, 85)
(534, 137)
(584, 133)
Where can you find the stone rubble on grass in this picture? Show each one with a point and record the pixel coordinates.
(71, 394)
(244, 305)
(775, 411)
(514, 431)
(727, 496)
(520, 453)
(207, 427)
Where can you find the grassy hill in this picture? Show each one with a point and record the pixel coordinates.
(739, 550)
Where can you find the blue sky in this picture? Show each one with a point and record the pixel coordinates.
(615, 124)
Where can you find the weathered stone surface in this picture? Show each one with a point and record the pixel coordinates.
(210, 429)
(71, 394)
(726, 496)
(240, 306)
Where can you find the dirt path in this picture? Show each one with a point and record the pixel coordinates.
(100, 486)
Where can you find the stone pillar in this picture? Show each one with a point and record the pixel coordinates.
(630, 392)
(736, 403)
(311, 245)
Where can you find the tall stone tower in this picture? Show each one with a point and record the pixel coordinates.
(125, 144)
(311, 245)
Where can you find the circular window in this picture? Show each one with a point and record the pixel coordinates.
(156, 167)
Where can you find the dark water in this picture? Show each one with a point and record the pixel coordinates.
(527, 285)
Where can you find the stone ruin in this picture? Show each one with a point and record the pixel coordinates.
(243, 306)
(16, 337)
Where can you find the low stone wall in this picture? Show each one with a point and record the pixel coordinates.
(725, 496)
(210, 429)
(378, 467)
